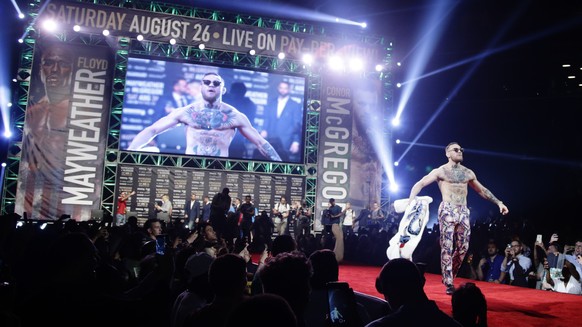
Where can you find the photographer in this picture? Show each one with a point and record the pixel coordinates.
(516, 264)
(302, 219)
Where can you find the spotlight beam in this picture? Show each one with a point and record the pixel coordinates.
(427, 44)
(461, 82)
(16, 7)
(522, 157)
(531, 37)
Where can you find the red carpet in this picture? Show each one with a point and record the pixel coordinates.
(507, 305)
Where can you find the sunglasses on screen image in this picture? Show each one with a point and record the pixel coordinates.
(458, 150)
(208, 82)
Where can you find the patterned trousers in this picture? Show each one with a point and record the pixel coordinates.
(455, 229)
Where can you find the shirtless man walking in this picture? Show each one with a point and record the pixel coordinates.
(210, 124)
(453, 213)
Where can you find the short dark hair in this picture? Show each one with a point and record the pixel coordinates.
(452, 143)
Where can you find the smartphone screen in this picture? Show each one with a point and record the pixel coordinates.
(342, 307)
(539, 238)
(161, 244)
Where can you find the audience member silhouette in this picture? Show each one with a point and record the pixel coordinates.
(69, 293)
(263, 310)
(287, 275)
(469, 306)
(281, 243)
(198, 292)
(228, 280)
(402, 285)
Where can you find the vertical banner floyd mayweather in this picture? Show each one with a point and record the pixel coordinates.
(65, 131)
(351, 121)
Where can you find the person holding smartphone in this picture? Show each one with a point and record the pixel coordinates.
(516, 264)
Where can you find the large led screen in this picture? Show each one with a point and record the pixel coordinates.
(201, 110)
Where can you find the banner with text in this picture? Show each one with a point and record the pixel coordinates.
(150, 183)
(65, 131)
(351, 125)
(219, 35)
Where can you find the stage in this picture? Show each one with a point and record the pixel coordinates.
(507, 305)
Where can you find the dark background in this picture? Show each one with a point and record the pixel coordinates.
(517, 115)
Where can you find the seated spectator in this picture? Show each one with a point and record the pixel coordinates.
(228, 279)
(569, 282)
(469, 306)
(575, 257)
(263, 310)
(288, 275)
(281, 243)
(516, 264)
(402, 285)
(489, 267)
(198, 292)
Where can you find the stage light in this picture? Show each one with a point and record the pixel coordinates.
(43, 226)
(356, 64)
(252, 52)
(397, 141)
(19, 224)
(307, 59)
(393, 187)
(399, 64)
(14, 80)
(364, 24)
(49, 25)
(140, 37)
(201, 46)
(76, 28)
(106, 32)
(396, 163)
(21, 16)
(379, 67)
(566, 65)
(281, 55)
(7, 134)
(9, 104)
(20, 40)
(3, 165)
(571, 77)
(335, 63)
(398, 85)
(395, 122)
(172, 41)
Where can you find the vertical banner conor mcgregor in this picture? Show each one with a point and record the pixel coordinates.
(350, 142)
(65, 131)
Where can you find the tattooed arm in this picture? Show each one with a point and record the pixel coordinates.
(248, 131)
(426, 180)
(160, 126)
(486, 194)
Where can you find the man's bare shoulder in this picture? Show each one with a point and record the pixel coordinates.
(231, 111)
(439, 171)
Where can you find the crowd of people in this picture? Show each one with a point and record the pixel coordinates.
(163, 274)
